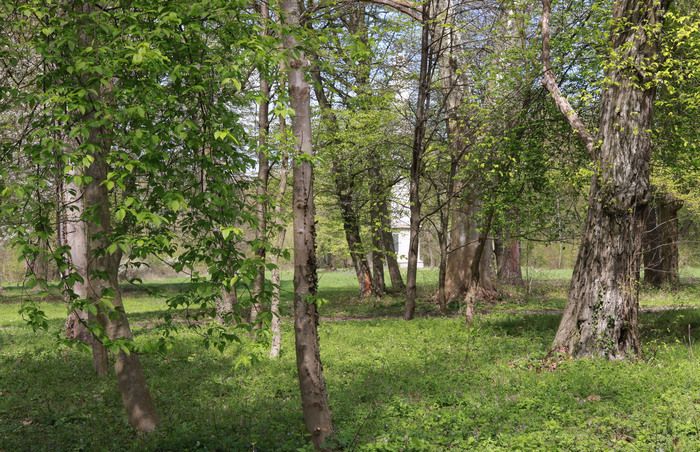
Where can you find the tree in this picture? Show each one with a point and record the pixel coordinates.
(601, 313)
(314, 399)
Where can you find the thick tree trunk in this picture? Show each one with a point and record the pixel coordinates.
(508, 262)
(480, 285)
(102, 268)
(464, 244)
(263, 179)
(130, 377)
(600, 318)
(314, 398)
(660, 242)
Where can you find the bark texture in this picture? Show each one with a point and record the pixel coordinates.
(131, 380)
(600, 318)
(314, 398)
(660, 242)
(464, 242)
(508, 261)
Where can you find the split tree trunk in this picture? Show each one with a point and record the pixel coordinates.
(660, 242)
(314, 398)
(600, 318)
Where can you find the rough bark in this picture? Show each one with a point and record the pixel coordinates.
(480, 286)
(660, 242)
(508, 261)
(600, 318)
(464, 242)
(317, 414)
(225, 306)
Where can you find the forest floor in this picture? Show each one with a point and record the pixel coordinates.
(429, 384)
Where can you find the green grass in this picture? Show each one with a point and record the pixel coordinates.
(429, 384)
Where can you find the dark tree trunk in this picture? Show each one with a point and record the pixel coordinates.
(314, 398)
(600, 318)
(351, 226)
(130, 377)
(344, 188)
(424, 79)
(660, 242)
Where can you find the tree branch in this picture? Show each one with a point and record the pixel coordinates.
(550, 82)
(402, 6)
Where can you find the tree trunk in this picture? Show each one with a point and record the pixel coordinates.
(344, 187)
(130, 377)
(76, 326)
(390, 252)
(317, 414)
(660, 242)
(423, 102)
(225, 305)
(442, 271)
(480, 285)
(509, 270)
(600, 318)
(351, 226)
(464, 244)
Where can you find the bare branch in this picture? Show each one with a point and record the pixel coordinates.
(402, 6)
(550, 82)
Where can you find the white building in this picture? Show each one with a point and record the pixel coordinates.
(401, 225)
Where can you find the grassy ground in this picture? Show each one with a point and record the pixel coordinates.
(429, 384)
